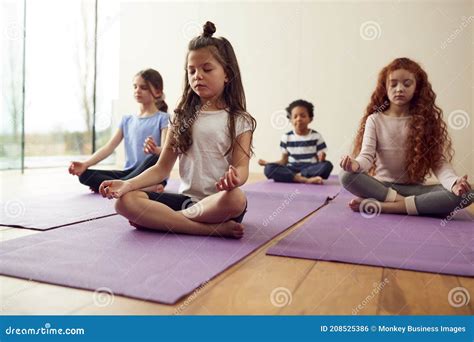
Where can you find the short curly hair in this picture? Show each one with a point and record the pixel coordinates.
(300, 103)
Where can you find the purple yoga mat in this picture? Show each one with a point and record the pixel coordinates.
(330, 188)
(162, 267)
(336, 233)
(52, 211)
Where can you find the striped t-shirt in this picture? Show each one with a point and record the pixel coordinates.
(302, 148)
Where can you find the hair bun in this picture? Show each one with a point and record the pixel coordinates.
(208, 29)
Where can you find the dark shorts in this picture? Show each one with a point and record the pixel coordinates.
(179, 202)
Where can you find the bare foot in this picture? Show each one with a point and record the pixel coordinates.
(314, 180)
(354, 204)
(230, 229)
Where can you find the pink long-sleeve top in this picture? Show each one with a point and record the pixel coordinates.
(385, 139)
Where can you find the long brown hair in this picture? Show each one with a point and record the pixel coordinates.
(233, 95)
(428, 142)
(153, 78)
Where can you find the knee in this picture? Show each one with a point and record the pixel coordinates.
(123, 204)
(327, 168)
(347, 178)
(234, 201)
(268, 170)
(84, 177)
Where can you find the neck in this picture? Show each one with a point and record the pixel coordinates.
(302, 131)
(212, 104)
(147, 109)
(398, 111)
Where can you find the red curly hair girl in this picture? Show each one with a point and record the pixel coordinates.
(428, 142)
(402, 138)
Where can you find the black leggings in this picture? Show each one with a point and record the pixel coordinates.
(93, 178)
(179, 202)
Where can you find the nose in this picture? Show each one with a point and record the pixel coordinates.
(198, 75)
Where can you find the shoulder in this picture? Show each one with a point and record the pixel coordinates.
(244, 120)
(372, 119)
(163, 115)
(127, 118)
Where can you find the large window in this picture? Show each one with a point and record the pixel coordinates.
(11, 74)
(69, 89)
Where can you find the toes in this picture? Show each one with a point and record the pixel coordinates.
(354, 205)
(238, 231)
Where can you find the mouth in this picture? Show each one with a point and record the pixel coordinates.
(197, 86)
(399, 97)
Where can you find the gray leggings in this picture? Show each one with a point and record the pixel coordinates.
(429, 200)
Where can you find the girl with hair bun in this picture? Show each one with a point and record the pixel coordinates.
(211, 135)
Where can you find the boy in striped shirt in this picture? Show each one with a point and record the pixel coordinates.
(303, 149)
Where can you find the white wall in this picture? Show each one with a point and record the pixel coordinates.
(312, 50)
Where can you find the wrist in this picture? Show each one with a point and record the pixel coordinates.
(356, 167)
(129, 186)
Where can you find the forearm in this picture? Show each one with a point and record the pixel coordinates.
(98, 156)
(152, 176)
(367, 152)
(446, 175)
(243, 172)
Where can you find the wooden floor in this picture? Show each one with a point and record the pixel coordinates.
(315, 287)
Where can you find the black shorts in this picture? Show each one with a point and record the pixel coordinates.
(179, 202)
